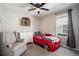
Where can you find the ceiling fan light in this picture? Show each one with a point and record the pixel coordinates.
(38, 12)
(37, 9)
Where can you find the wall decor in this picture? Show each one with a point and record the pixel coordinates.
(25, 21)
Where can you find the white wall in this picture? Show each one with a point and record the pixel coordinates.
(48, 24)
(11, 19)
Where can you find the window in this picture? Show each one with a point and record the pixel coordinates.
(62, 24)
(65, 28)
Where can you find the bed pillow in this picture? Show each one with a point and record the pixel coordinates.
(37, 33)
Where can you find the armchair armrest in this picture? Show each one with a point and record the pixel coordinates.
(8, 45)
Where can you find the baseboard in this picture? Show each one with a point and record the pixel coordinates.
(70, 48)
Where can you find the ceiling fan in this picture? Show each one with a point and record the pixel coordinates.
(38, 7)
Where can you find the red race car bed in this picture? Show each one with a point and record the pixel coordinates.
(48, 41)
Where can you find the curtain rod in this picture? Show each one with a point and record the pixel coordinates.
(62, 12)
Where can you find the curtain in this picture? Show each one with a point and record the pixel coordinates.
(71, 36)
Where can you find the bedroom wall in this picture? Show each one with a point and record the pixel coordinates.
(11, 19)
(48, 24)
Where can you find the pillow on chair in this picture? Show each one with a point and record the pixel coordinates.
(17, 35)
(20, 40)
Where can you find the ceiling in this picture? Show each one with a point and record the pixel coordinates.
(24, 7)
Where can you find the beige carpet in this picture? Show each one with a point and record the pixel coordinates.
(36, 50)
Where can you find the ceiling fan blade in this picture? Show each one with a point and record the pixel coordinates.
(31, 9)
(42, 4)
(44, 9)
(37, 5)
(33, 4)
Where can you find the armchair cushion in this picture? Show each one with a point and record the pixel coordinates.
(17, 45)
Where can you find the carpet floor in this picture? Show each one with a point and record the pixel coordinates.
(36, 50)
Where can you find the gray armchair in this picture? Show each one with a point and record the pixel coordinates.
(11, 46)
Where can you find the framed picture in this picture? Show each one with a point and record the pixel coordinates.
(25, 21)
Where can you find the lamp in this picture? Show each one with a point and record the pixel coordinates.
(38, 10)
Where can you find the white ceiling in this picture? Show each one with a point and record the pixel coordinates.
(24, 7)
